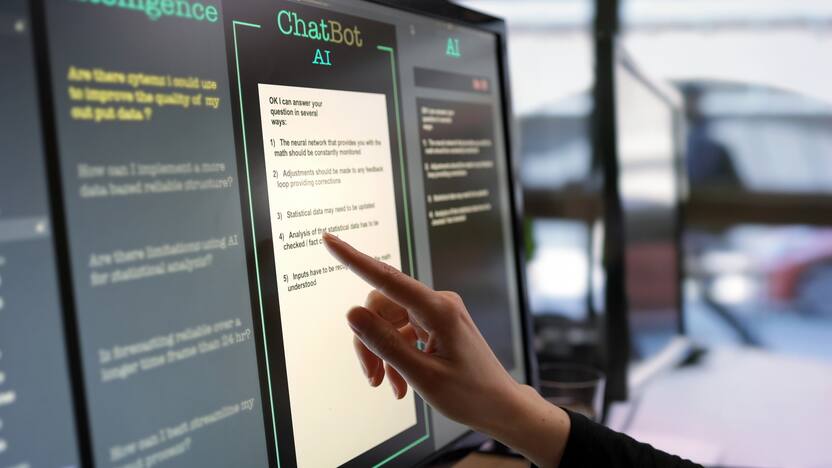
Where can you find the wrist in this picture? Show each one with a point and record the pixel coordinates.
(533, 426)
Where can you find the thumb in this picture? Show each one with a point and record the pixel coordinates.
(385, 341)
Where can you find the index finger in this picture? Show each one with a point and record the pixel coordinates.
(404, 290)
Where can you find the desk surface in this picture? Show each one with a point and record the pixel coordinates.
(479, 460)
(739, 407)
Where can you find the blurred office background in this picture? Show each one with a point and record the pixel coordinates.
(755, 76)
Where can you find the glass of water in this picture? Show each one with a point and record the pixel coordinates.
(575, 387)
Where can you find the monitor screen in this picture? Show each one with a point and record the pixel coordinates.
(648, 145)
(191, 157)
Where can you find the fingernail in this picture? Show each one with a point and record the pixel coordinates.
(357, 321)
(395, 390)
(353, 327)
(330, 242)
(374, 382)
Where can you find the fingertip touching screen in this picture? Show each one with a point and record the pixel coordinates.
(185, 158)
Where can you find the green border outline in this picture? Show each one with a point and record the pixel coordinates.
(391, 51)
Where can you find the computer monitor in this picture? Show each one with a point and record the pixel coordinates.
(176, 163)
(649, 141)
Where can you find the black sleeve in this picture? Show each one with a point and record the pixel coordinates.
(592, 444)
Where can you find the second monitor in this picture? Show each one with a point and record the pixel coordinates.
(650, 158)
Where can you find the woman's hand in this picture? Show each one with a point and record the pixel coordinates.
(456, 373)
